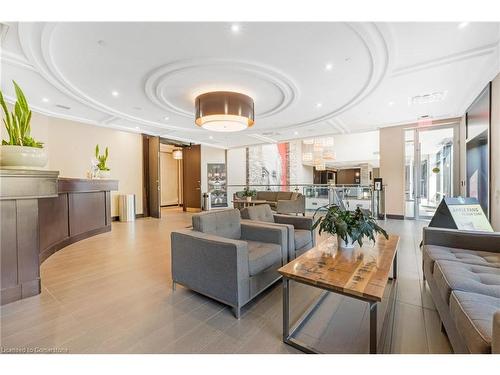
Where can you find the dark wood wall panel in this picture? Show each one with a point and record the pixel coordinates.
(8, 243)
(53, 213)
(87, 211)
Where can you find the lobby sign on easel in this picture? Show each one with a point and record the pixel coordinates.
(217, 184)
(462, 214)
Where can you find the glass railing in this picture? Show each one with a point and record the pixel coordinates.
(319, 195)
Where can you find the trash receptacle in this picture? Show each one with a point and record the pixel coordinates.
(206, 201)
(126, 207)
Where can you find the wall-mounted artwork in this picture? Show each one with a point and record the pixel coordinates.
(269, 165)
(478, 149)
(217, 184)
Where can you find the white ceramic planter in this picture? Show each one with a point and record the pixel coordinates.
(22, 157)
(345, 245)
(249, 199)
(104, 174)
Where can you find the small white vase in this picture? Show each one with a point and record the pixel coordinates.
(249, 199)
(104, 174)
(22, 157)
(345, 245)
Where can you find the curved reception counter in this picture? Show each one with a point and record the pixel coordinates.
(41, 214)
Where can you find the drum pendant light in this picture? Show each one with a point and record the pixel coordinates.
(224, 111)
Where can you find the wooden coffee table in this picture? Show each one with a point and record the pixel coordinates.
(360, 273)
(245, 203)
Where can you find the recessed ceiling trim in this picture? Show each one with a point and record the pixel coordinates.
(44, 65)
(157, 80)
(445, 60)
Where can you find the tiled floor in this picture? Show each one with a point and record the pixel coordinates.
(112, 294)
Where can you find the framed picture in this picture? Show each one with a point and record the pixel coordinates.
(217, 184)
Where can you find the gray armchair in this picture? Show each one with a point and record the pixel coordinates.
(224, 259)
(301, 236)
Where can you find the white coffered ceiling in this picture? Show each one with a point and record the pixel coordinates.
(307, 79)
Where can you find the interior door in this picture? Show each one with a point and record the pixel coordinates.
(154, 177)
(432, 173)
(191, 162)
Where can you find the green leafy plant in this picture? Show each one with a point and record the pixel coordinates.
(18, 121)
(248, 193)
(101, 159)
(355, 225)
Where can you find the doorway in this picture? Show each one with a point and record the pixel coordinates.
(171, 175)
(431, 168)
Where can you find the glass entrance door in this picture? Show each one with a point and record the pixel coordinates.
(431, 171)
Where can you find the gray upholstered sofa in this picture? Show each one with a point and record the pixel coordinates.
(284, 202)
(462, 270)
(227, 260)
(301, 236)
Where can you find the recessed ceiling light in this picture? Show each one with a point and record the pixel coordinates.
(210, 137)
(391, 103)
(462, 25)
(235, 28)
(319, 105)
(329, 66)
(45, 100)
(115, 93)
(166, 118)
(295, 133)
(137, 128)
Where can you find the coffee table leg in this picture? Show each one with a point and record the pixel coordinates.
(395, 266)
(373, 327)
(286, 309)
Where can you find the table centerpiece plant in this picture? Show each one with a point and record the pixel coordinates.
(104, 171)
(21, 150)
(349, 226)
(249, 194)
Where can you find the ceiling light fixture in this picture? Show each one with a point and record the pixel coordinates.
(391, 104)
(319, 105)
(115, 93)
(166, 118)
(329, 66)
(462, 25)
(177, 154)
(295, 133)
(210, 137)
(224, 111)
(45, 100)
(235, 28)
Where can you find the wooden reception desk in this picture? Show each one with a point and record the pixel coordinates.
(41, 214)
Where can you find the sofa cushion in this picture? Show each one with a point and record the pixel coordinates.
(284, 196)
(261, 212)
(480, 258)
(473, 317)
(302, 238)
(451, 275)
(262, 255)
(226, 223)
(267, 196)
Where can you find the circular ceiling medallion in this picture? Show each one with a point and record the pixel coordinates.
(272, 91)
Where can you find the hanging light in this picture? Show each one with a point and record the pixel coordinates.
(320, 167)
(224, 111)
(177, 154)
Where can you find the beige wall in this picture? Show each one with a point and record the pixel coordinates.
(495, 154)
(71, 146)
(392, 162)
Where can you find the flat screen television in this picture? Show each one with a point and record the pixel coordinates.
(478, 119)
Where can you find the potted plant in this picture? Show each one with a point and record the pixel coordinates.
(104, 171)
(20, 151)
(349, 226)
(249, 194)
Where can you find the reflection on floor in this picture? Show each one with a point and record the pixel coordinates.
(112, 294)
